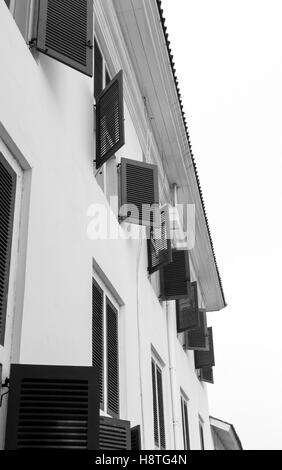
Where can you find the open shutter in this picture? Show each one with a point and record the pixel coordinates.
(98, 336)
(175, 277)
(109, 120)
(136, 438)
(206, 374)
(52, 407)
(139, 193)
(65, 32)
(187, 311)
(197, 339)
(112, 360)
(114, 434)
(159, 244)
(7, 203)
(205, 358)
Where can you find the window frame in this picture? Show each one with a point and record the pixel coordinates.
(201, 432)
(185, 423)
(108, 299)
(158, 368)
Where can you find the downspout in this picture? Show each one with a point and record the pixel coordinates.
(171, 335)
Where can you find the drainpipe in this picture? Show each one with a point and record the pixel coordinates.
(174, 389)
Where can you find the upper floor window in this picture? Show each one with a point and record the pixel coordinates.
(105, 347)
(22, 13)
(158, 406)
(102, 76)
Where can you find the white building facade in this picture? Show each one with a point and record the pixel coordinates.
(86, 91)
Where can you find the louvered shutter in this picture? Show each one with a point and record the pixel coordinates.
(114, 434)
(197, 339)
(175, 277)
(159, 244)
(98, 70)
(136, 438)
(161, 408)
(187, 311)
(52, 407)
(155, 405)
(139, 193)
(205, 358)
(206, 374)
(7, 203)
(65, 32)
(98, 336)
(109, 120)
(112, 360)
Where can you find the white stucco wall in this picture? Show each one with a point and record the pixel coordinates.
(47, 113)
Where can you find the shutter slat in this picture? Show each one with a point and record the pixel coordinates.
(159, 244)
(197, 339)
(205, 358)
(97, 336)
(114, 434)
(7, 203)
(139, 193)
(136, 438)
(43, 415)
(109, 118)
(112, 360)
(65, 32)
(187, 311)
(175, 277)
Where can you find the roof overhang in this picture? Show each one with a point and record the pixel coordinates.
(144, 32)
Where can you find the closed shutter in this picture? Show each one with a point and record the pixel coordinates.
(139, 193)
(161, 408)
(187, 311)
(205, 358)
(155, 405)
(109, 120)
(112, 360)
(136, 438)
(114, 434)
(7, 203)
(98, 70)
(65, 32)
(159, 244)
(98, 336)
(197, 339)
(52, 407)
(206, 374)
(175, 277)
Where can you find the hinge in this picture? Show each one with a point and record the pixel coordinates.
(89, 44)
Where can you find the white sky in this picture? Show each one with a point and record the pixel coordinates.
(228, 56)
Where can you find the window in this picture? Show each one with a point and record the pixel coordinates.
(22, 13)
(158, 406)
(201, 430)
(7, 204)
(185, 422)
(105, 349)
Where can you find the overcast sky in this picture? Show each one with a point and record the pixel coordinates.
(228, 56)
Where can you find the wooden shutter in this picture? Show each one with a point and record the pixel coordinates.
(187, 311)
(109, 120)
(98, 336)
(114, 434)
(112, 360)
(136, 438)
(7, 203)
(98, 70)
(52, 407)
(139, 193)
(159, 244)
(206, 374)
(197, 339)
(175, 277)
(65, 32)
(185, 424)
(205, 358)
(161, 407)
